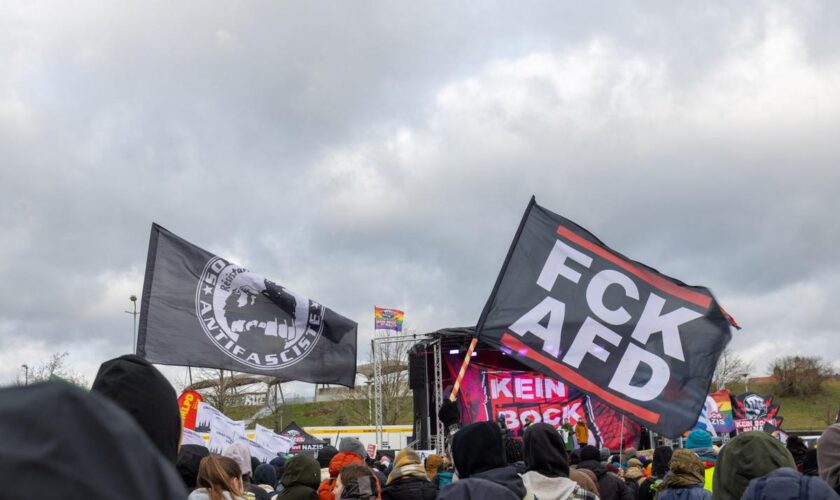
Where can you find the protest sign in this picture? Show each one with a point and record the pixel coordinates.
(258, 451)
(570, 307)
(271, 441)
(224, 432)
(203, 310)
(189, 436)
(752, 412)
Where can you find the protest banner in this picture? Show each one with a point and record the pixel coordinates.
(258, 451)
(570, 307)
(752, 412)
(521, 397)
(189, 436)
(188, 403)
(716, 416)
(202, 310)
(388, 319)
(204, 415)
(371, 450)
(224, 432)
(271, 441)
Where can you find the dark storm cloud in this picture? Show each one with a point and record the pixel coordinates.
(383, 153)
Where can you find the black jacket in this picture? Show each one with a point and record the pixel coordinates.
(410, 488)
(507, 477)
(612, 487)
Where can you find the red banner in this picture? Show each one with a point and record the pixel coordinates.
(523, 397)
(188, 403)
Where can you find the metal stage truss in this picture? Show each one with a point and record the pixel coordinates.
(378, 341)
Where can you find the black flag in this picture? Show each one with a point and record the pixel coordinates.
(567, 305)
(202, 310)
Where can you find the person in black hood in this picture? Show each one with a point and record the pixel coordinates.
(189, 458)
(60, 441)
(140, 389)
(612, 487)
(547, 475)
(796, 447)
(660, 466)
(477, 451)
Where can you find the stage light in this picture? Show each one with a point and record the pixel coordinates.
(454, 351)
(474, 354)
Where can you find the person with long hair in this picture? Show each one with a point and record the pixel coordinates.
(219, 478)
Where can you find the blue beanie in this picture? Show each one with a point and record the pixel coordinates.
(698, 438)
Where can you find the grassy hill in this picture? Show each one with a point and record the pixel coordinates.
(800, 414)
(324, 413)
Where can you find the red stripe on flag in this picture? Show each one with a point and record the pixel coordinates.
(574, 378)
(666, 286)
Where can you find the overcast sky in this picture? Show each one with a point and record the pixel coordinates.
(383, 153)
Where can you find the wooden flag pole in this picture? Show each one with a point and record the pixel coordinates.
(463, 371)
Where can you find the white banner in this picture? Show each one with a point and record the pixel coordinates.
(272, 441)
(189, 436)
(258, 452)
(224, 432)
(424, 454)
(205, 415)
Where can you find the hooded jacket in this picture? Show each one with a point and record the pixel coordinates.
(686, 479)
(476, 489)
(353, 445)
(362, 488)
(189, 458)
(266, 478)
(612, 487)
(300, 481)
(748, 456)
(586, 479)
(828, 456)
(478, 451)
(786, 483)
(547, 475)
(325, 491)
(141, 390)
(62, 441)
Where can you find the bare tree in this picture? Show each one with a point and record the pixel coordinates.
(53, 368)
(800, 375)
(730, 368)
(218, 388)
(359, 402)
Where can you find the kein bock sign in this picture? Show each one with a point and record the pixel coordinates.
(567, 305)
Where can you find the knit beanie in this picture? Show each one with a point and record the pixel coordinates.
(698, 438)
(353, 445)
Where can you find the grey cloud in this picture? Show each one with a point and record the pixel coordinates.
(383, 153)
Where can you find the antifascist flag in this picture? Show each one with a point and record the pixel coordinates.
(567, 305)
(205, 311)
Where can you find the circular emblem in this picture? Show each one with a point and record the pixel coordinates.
(387, 314)
(253, 320)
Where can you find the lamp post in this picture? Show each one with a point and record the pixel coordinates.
(133, 300)
(25, 374)
(746, 377)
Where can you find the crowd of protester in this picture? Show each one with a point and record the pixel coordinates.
(121, 441)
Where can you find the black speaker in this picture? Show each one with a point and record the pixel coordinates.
(417, 367)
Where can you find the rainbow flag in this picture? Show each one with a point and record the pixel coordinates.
(387, 319)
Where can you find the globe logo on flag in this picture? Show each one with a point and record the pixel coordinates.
(254, 320)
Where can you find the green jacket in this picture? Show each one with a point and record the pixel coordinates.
(748, 456)
(301, 478)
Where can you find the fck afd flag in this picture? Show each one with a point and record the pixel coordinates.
(203, 310)
(567, 305)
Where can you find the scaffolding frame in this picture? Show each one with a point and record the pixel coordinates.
(376, 344)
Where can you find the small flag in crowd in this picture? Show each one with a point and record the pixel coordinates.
(388, 319)
(203, 310)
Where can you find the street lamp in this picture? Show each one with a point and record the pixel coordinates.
(26, 374)
(746, 377)
(133, 300)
